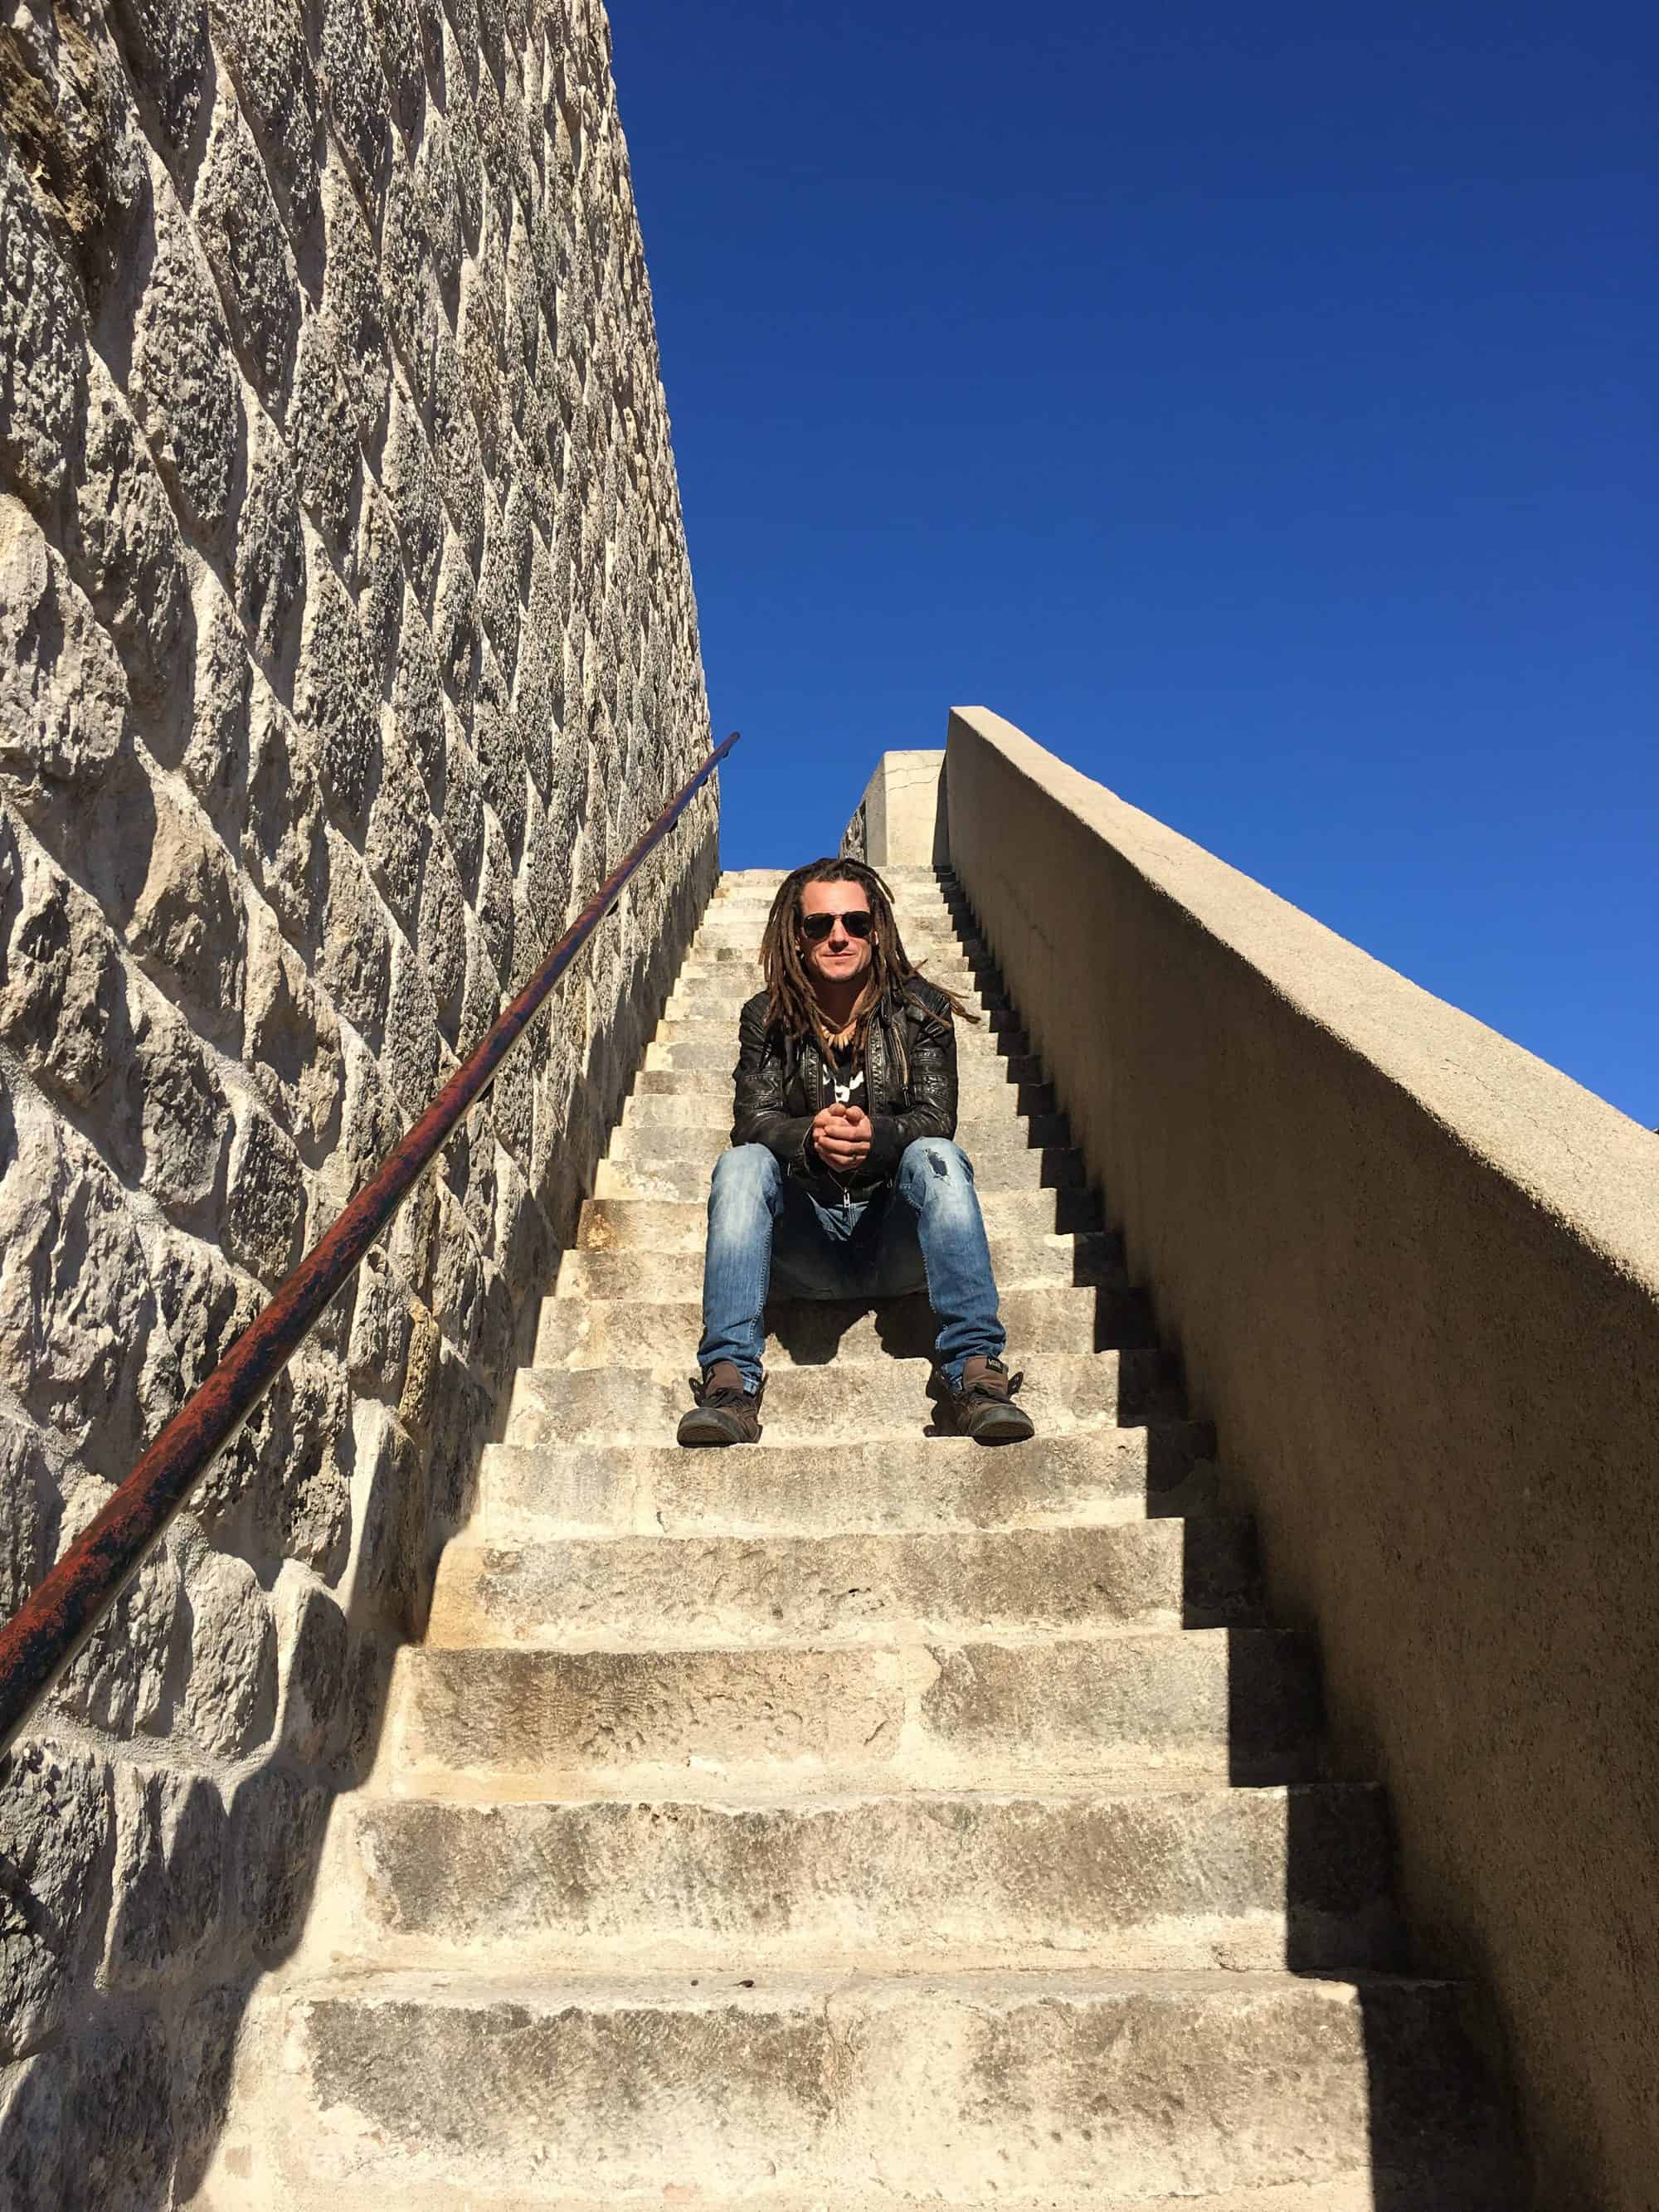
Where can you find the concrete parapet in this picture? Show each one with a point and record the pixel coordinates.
(1414, 1274)
(901, 819)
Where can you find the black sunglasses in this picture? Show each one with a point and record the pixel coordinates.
(815, 927)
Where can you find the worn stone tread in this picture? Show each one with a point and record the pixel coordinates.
(839, 1401)
(1092, 1476)
(1004, 2088)
(779, 1589)
(1243, 1704)
(1140, 1879)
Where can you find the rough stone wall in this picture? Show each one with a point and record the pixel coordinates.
(347, 639)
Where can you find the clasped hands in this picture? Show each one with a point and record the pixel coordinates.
(840, 1138)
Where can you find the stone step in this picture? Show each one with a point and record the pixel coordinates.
(673, 1170)
(992, 1076)
(960, 962)
(848, 1401)
(1021, 1261)
(574, 1593)
(1140, 1881)
(717, 1026)
(717, 1048)
(712, 1108)
(727, 948)
(768, 879)
(1239, 1704)
(621, 1224)
(925, 924)
(588, 1333)
(720, 995)
(983, 1132)
(1118, 2093)
(1096, 1477)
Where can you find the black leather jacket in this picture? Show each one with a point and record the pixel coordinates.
(781, 1085)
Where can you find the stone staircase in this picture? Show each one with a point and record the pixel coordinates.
(863, 1817)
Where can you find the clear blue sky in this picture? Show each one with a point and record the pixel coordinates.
(1257, 405)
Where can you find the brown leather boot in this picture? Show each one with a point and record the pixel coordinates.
(984, 1408)
(724, 1411)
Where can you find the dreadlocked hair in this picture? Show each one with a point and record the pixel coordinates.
(892, 979)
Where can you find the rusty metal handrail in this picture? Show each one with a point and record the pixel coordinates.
(47, 1630)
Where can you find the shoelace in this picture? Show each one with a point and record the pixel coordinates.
(992, 1378)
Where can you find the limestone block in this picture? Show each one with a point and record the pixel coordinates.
(482, 309)
(269, 546)
(398, 827)
(414, 1049)
(291, 1042)
(304, 1499)
(417, 704)
(440, 211)
(203, 1302)
(370, 1125)
(315, 1637)
(265, 1200)
(440, 934)
(241, 233)
(353, 957)
(464, 809)
(455, 630)
(356, 97)
(118, 2121)
(456, 447)
(406, 266)
(165, 45)
(55, 1819)
(266, 50)
(351, 290)
(230, 1693)
(215, 742)
(461, 1408)
(63, 701)
(416, 1406)
(76, 1312)
(43, 352)
(337, 696)
(398, 24)
(28, 1514)
(204, 2049)
(181, 1114)
(33, 2098)
(377, 579)
(411, 480)
(168, 1874)
(538, 913)
(130, 554)
(285, 842)
(511, 1104)
(62, 990)
(276, 1831)
(465, 155)
(381, 1326)
(392, 1540)
(494, 901)
(499, 587)
(481, 996)
(323, 429)
(184, 377)
(119, 1680)
(188, 918)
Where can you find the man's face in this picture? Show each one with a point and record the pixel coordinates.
(841, 957)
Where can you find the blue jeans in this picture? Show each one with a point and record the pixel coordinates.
(767, 1231)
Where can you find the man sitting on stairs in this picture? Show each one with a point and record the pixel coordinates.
(840, 1181)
